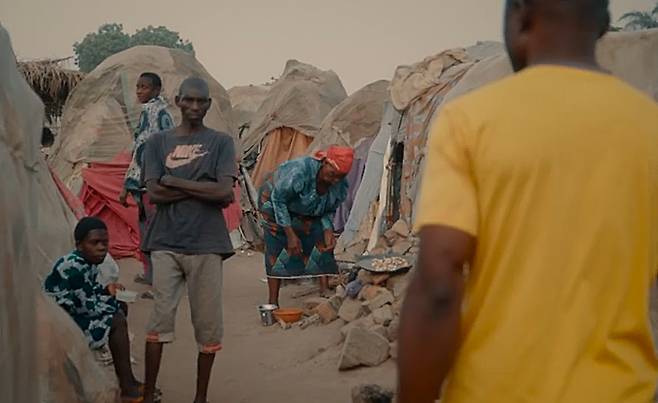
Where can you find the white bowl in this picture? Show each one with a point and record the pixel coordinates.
(126, 296)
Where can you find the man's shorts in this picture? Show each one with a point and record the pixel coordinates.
(203, 275)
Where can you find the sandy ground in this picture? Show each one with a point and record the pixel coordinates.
(257, 364)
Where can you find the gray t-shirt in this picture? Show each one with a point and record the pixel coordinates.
(190, 226)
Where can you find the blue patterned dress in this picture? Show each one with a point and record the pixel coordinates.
(153, 119)
(289, 198)
(72, 284)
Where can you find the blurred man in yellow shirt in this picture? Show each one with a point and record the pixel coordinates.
(546, 185)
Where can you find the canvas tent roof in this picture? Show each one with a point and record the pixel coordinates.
(100, 116)
(37, 228)
(411, 81)
(246, 100)
(357, 117)
(300, 99)
(631, 56)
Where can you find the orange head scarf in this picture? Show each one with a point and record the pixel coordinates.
(340, 157)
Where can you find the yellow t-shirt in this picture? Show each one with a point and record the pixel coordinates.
(555, 172)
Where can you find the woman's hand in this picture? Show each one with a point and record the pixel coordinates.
(329, 240)
(294, 244)
(112, 288)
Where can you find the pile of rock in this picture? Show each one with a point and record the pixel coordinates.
(398, 240)
(370, 313)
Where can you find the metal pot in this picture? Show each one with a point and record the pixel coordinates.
(266, 313)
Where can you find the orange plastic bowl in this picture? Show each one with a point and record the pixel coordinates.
(288, 315)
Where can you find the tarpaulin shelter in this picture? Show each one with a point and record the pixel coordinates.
(36, 229)
(354, 123)
(92, 151)
(100, 116)
(419, 91)
(291, 116)
(102, 183)
(416, 92)
(357, 117)
(246, 100)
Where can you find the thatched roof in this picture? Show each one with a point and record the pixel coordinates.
(51, 81)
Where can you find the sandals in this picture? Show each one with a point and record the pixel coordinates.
(126, 399)
(139, 399)
(157, 396)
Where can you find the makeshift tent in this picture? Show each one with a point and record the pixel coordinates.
(291, 116)
(36, 229)
(358, 117)
(362, 215)
(102, 183)
(420, 90)
(245, 101)
(100, 116)
(631, 56)
(92, 152)
(354, 178)
(354, 122)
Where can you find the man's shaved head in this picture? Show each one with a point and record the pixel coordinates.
(193, 99)
(554, 31)
(199, 85)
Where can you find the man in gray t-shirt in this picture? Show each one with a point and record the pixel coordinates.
(192, 225)
(189, 173)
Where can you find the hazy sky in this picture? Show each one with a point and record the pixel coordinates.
(248, 41)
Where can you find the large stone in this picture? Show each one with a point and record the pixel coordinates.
(369, 292)
(391, 237)
(402, 246)
(365, 323)
(383, 315)
(367, 277)
(364, 276)
(380, 330)
(397, 306)
(313, 302)
(363, 347)
(371, 394)
(394, 350)
(328, 313)
(336, 301)
(351, 310)
(392, 330)
(398, 285)
(401, 228)
(380, 279)
(383, 298)
(340, 291)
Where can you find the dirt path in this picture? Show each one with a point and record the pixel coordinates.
(257, 364)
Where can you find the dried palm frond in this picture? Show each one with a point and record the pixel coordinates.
(51, 81)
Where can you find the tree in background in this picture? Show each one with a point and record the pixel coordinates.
(110, 39)
(160, 36)
(97, 46)
(637, 20)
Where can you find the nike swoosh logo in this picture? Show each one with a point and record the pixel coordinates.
(172, 163)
